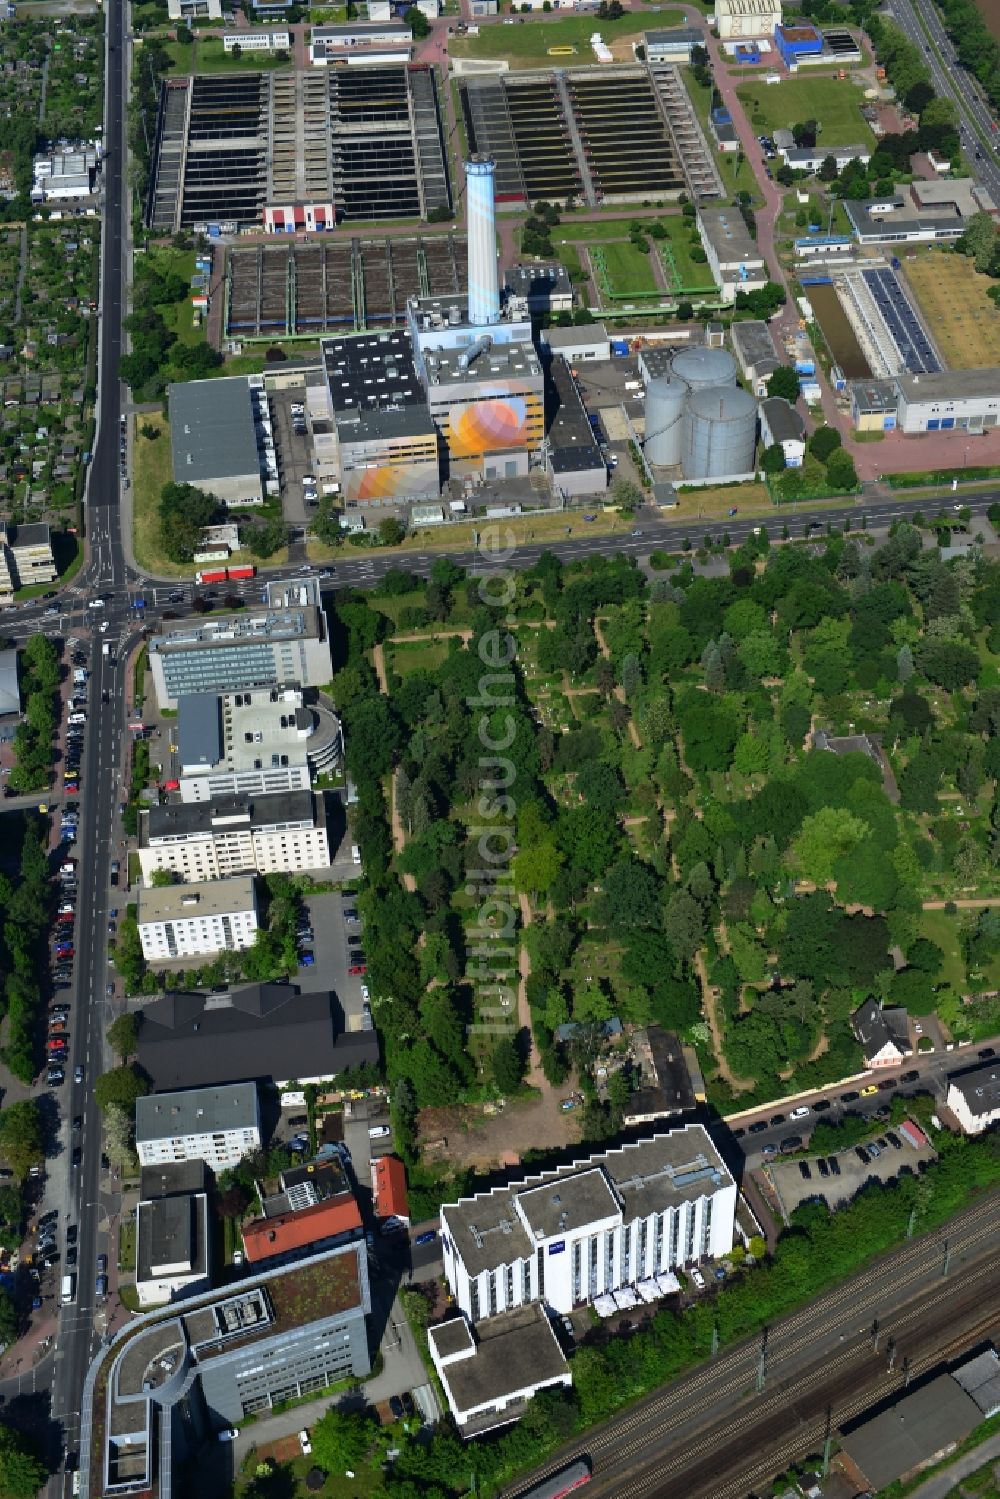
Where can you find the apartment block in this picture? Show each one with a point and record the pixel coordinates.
(283, 832)
(194, 921)
(216, 1125)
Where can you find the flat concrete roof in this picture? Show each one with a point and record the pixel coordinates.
(728, 235)
(199, 728)
(950, 385)
(191, 902)
(512, 1353)
(212, 433)
(185, 819)
(196, 1111)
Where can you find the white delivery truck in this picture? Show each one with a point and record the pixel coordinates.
(68, 1289)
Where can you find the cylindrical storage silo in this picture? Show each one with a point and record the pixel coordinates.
(665, 401)
(701, 368)
(720, 432)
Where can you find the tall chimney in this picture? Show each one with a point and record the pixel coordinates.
(484, 293)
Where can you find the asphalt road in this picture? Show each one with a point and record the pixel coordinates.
(708, 1433)
(104, 573)
(921, 22)
(107, 574)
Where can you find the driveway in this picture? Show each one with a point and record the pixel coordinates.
(402, 1371)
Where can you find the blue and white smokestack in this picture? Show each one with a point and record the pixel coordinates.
(484, 291)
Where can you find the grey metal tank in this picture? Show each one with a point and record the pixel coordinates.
(665, 402)
(701, 368)
(720, 433)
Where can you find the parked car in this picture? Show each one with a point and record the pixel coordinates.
(834, 1165)
(893, 1140)
(822, 1167)
(758, 1127)
(869, 1091)
(849, 1097)
(698, 1279)
(874, 1151)
(802, 1112)
(820, 1105)
(427, 1237)
(804, 1171)
(305, 1443)
(862, 1154)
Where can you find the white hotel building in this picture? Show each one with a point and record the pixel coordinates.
(592, 1227)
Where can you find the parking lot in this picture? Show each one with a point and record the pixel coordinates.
(329, 945)
(793, 1188)
(294, 453)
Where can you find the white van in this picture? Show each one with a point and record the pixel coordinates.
(76, 718)
(378, 1132)
(68, 1289)
(355, 854)
(96, 604)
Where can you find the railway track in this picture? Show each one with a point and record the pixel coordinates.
(672, 1416)
(747, 1447)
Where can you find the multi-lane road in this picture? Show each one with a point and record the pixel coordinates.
(108, 574)
(922, 24)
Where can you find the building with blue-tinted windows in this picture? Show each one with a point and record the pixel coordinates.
(950, 400)
(280, 647)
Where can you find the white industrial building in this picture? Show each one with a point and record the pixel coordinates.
(756, 354)
(591, 1228)
(282, 832)
(257, 41)
(216, 1125)
(743, 20)
(781, 423)
(196, 921)
(59, 176)
(974, 1097)
(734, 258)
(194, 10)
(578, 345)
(950, 400)
(252, 743)
(360, 42)
(673, 46)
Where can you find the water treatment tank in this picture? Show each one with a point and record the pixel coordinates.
(720, 430)
(665, 401)
(700, 367)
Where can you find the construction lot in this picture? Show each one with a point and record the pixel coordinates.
(952, 298)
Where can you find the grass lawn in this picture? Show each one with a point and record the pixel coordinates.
(510, 530)
(595, 231)
(152, 469)
(683, 272)
(416, 656)
(207, 55)
(526, 44)
(629, 271)
(952, 296)
(944, 929)
(834, 103)
(178, 316)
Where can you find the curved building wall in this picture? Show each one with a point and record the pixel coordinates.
(720, 433)
(701, 368)
(665, 402)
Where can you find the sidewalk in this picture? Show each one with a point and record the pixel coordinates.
(943, 1483)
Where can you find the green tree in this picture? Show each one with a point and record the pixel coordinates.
(980, 241)
(21, 1136)
(784, 382)
(840, 471)
(343, 1439)
(824, 442)
(118, 1138)
(161, 878)
(507, 1066)
(123, 1035)
(772, 460)
(184, 512)
(825, 837)
(22, 1473)
(392, 531)
(828, 170)
(418, 23)
(121, 1086)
